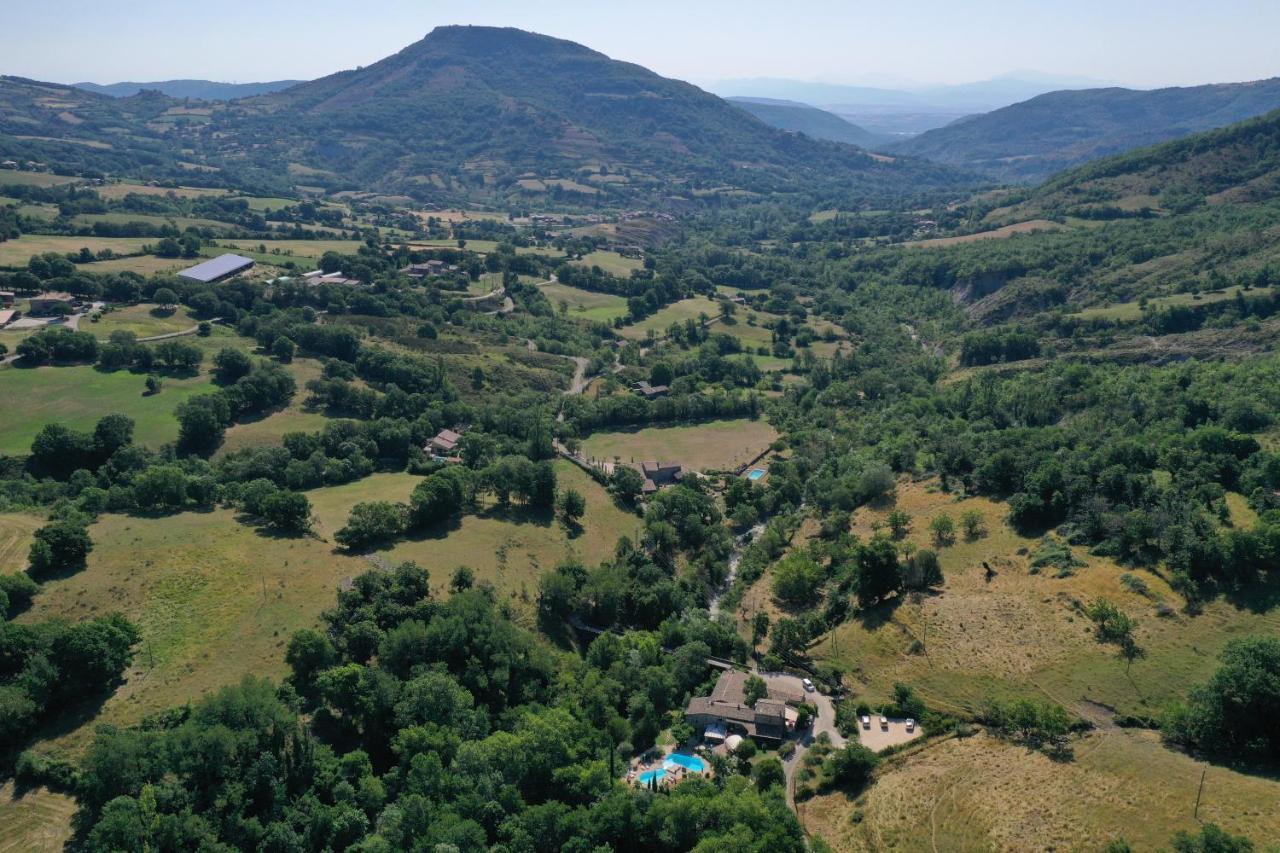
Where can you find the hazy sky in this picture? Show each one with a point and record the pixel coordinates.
(1133, 42)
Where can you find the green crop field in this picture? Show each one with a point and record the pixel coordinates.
(611, 262)
(715, 445)
(659, 322)
(584, 304)
(16, 253)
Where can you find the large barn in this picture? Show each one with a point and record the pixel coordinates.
(220, 268)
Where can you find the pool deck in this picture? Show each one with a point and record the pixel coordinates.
(673, 772)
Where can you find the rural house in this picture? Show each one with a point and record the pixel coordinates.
(51, 302)
(658, 474)
(650, 392)
(726, 710)
(444, 443)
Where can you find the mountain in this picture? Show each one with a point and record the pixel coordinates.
(1239, 164)
(465, 113)
(906, 109)
(204, 90)
(471, 109)
(802, 118)
(1031, 140)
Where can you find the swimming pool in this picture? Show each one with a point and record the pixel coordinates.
(646, 778)
(688, 762)
(756, 474)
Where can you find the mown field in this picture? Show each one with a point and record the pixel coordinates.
(585, 304)
(611, 262)
(981, 793)
(715, 445)
(35, 821)
(141, 319)
(32, 179)
(16, 253)
(678, 312)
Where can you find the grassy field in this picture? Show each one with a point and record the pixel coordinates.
(78, 396)
(678, 312)
(279, 250)
(292, 418)
(214, 600)
(994, 234)
(585, 304)
(39, 821)
(1021, 632)
(16, 253)
(140, 320)
(611, 262)
(141, 264)
(1131, 311)
(981, 793)
(32, 179)
(116, 192)
(16, 531)
(715, 445)
(507, 548)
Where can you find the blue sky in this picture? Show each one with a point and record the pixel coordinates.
(1132, 42)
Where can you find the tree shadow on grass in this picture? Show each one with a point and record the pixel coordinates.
(1257, 597)
(69, 718)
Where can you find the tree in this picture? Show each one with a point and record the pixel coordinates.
(59, 546)
(1210, 839)
(878, 572)
(283, 349)
(899, 523)
(165, 298)
(759, 627)
(973, 523)
(287, 510)
(797, 580)
(230, 364)
(768, 773)
(923, 570)
(153, 384)
(852, 766)
(660, 374)
(943, 529)
(754, 690)
(572, 506)
(371, 522)
(463, 579)
(1237, 713)
(627, 482)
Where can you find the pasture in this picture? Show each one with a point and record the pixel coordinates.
(115, 192)
(714, 445)
(1001, 233)
(140, 319)
(677, 312)
(1023, 633)
(282, 250)
(10, 178)
(1128, 312)
(585, 304)
(611, 262)
(980, 793)
(16, 253)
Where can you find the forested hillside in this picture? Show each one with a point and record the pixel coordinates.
(1031, 140)
(811, 121)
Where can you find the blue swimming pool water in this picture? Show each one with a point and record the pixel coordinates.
(688, 762)
(756, 474)
(646, 778)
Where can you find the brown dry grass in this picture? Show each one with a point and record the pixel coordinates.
(994, 234)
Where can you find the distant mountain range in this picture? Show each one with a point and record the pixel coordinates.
(1031, 140)
(466, 112)
(906, 109)
(205, 90)
(802, 118)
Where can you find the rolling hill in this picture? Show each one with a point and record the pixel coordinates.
(203, 90)
(1031, 140)
(802, 118)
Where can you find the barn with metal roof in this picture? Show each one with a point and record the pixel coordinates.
(218, 269)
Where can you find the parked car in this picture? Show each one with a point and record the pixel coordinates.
(884, 723)
(866, 721)
(911, 725)
(808, 685)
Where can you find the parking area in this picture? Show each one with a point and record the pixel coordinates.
(877, 738)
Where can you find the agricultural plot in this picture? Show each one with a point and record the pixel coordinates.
(142, 320)
(282, 250)
(715, 445)
(16, 253)
(678, 312)
(16, 530)
(10, 178)
(35, 820)
(115, 192)
(508, 548)
(611, 262)
(141, 264)
(981, 793)
(585, 304)
(1004, 232)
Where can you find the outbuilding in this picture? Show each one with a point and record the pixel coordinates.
(220, 268)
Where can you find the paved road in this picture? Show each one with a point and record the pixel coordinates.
(825, 721)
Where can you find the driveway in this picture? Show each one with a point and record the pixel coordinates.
(825, 721)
